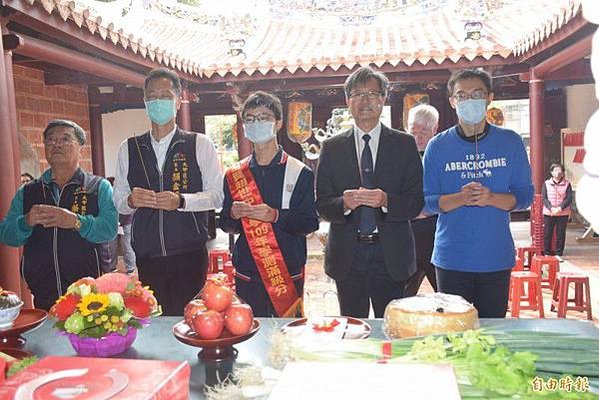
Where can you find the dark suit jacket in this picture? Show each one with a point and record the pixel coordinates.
(398, 172)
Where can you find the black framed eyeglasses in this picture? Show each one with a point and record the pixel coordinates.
(476, 95)
(370, 95)
(250, 119)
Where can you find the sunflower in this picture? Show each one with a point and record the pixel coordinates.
(93, 303)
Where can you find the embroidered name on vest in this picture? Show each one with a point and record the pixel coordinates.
(180, 175)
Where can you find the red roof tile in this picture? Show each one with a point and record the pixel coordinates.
(291, 45)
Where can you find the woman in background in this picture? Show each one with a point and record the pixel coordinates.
(557, 198)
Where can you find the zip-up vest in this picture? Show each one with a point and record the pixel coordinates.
(159, 233)
(54, 258)
(556, 193)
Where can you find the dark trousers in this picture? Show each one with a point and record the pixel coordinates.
(424, 238)
(254, 293)
(487, 291)
(559, 224)
(367, 280)
(108, 253)
(174, 279)
(43, 304)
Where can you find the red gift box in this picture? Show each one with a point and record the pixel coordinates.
(82, 378)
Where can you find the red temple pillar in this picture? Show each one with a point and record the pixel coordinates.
(184, 114)
(9, 256)
(536, 90)
(97, 139)
(12, 109)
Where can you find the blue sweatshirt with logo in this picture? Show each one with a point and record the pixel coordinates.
(472, 238)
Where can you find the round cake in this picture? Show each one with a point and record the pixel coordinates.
(427, 314)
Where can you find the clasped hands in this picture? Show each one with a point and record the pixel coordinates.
(354, 198)
(50, 217)
(555, 210)
(475, 194)
(261, 212)
(166, 200)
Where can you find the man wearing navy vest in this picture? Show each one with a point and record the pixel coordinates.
(60, 218)
(169, 178)
(269, 202)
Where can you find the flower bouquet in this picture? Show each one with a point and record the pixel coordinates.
(101, 316)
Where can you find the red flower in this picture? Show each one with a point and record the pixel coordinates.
(138, 306)
(65, 306)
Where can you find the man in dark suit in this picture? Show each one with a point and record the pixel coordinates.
(369, 186)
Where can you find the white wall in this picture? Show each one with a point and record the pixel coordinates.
(118, 126)
(581, 104)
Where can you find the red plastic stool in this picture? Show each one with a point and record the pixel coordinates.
(517, 296)
(519, 265)
(229, 270)
(527, 294)
(526, 253)
(214, 256)
(552, 264)
(581, 300)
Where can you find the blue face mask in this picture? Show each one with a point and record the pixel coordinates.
(259, 132)
(472, 111)
(161, 111)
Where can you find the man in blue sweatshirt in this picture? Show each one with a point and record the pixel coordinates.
(474, 175)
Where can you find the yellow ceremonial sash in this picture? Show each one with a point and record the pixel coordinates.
(263, 243)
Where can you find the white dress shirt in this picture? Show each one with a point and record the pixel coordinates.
(375, 136)
(210, 198)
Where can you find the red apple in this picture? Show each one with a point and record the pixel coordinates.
(239, 319)
(208, 324)
(236, 299)
(192, 308)
(216, 297)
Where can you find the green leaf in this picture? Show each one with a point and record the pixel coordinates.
(20, 365)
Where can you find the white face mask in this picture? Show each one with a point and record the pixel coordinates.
(259, 132)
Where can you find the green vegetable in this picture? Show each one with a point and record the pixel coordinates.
(503, 365)
(20, 365)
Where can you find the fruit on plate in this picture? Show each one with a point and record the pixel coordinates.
(192, 308)
(218, 312)
(8, 299)
(216, 296)
(239, 318)
(208, 324)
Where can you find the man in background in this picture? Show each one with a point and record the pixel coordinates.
(423, 121)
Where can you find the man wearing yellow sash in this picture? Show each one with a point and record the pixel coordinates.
(269, 202)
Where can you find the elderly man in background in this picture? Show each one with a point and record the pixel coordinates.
(423, 121)
(60, 218)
